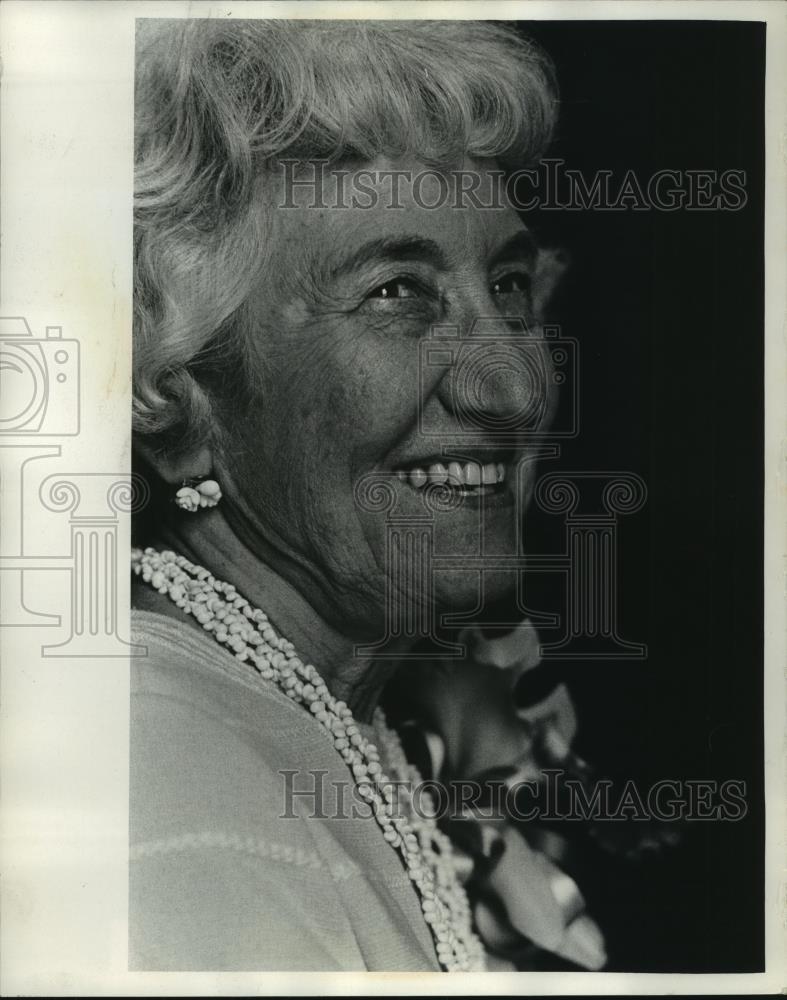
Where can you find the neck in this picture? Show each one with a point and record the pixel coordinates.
(210, 542)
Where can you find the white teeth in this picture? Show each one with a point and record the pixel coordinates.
(470, 474)
(473, 474)
(417, 478)
(455, 474)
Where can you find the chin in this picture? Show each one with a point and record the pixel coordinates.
(463, 592)
(414, 612)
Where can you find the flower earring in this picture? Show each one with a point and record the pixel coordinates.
(197, 493)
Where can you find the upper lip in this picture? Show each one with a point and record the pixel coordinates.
(476, 453)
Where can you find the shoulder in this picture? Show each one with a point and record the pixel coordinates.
(180, 670)
(210, 738)
(225, 871)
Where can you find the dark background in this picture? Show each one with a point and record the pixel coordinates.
(668, 308)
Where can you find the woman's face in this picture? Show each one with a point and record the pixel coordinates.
(352, 392)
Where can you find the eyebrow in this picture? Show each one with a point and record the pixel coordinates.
(392, 248)
(520, 246)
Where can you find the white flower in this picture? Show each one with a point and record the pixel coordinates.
(187, 499)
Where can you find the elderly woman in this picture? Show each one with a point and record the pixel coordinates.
(313, 199)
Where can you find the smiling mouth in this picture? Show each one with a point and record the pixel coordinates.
(467, 478)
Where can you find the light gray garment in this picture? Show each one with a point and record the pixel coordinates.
(220, 879)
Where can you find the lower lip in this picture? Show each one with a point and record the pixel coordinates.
(489, 496)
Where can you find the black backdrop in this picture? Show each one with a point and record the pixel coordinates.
(668, 309)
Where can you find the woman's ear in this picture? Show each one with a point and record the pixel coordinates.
(175, 469)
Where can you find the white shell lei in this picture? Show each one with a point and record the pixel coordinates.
(425, 850)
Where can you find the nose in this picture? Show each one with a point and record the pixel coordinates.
(500, 378)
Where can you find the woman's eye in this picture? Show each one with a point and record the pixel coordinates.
(397, 289)
(514, 283)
